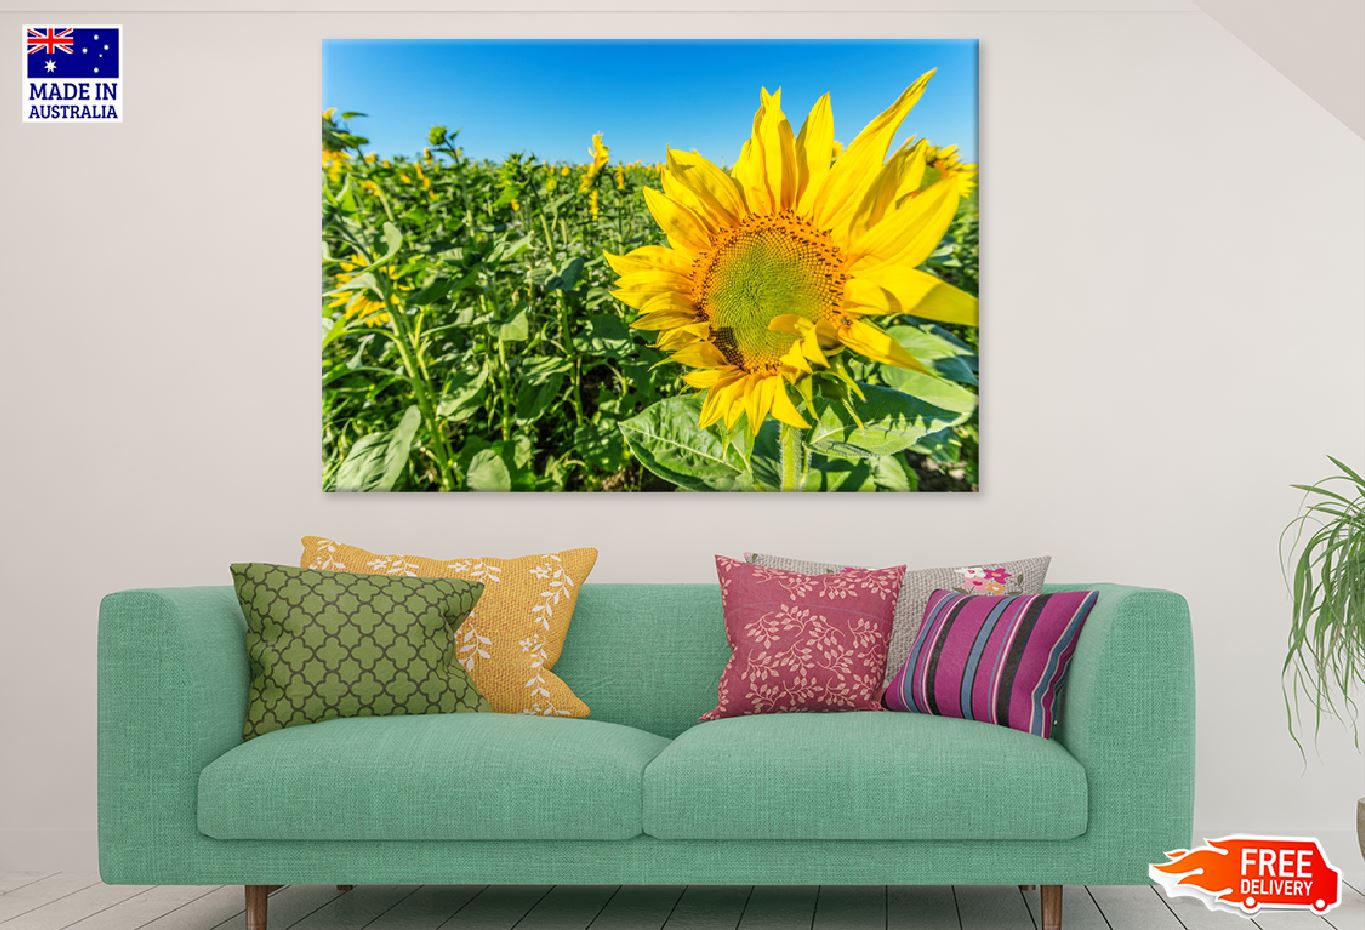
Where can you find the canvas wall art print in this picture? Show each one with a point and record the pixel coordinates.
(649, 265)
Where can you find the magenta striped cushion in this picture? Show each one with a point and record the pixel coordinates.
(994, 658)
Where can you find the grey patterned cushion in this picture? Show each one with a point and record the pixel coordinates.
(1024, 576)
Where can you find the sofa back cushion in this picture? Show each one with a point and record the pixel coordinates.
(646, 655)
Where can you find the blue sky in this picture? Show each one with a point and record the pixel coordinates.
(547, 98)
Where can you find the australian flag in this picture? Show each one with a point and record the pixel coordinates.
(57, 52)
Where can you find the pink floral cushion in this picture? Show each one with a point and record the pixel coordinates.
(803, 642)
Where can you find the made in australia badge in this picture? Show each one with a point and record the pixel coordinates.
(73, 74)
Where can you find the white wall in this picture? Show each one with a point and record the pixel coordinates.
(1173, 332)
(1317, 44)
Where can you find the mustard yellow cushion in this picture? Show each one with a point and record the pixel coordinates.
(515, 633)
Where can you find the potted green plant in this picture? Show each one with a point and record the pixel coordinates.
(1323, 549)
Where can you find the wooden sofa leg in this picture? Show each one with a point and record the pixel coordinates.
(1052, 907)
(345, 888)
(257, 897)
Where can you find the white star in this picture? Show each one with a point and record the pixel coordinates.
(106, 48)
(50, 66)
(97, 35)
(84, 50)
(97, 70)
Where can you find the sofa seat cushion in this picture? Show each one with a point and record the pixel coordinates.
(431, 777)
(862, 776)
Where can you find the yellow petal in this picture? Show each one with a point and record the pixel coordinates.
(908, 233)
(711, 410)
(710, 192)
(717, 403)
(811, 348)
(868, 340)
(679, 337)
(667, 319)
(908, 290)
(766, 169)
(655, 279)
(758, 401)
(635, 297)
(669, 301)
(707, 377)
(899, 177)
(681, 225)
(859, 164)
(721, 402)
(789, 323)
(796, 358)
(700, 355)
(814, 152)
(650, 258)
(783, 408)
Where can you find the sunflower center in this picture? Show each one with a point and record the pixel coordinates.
(766, 267)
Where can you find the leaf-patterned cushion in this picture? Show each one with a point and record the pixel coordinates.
(325, 644)
(515, 634)
(803, 642)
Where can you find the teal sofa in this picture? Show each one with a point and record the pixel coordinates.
(639, 792)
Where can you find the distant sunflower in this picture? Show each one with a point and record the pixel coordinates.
(771, 268)
(601, 154)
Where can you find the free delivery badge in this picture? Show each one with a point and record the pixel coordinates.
(1243, 874)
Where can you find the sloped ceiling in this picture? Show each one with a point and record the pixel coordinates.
(1317, 44)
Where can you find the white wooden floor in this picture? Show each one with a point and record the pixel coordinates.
(56, 901)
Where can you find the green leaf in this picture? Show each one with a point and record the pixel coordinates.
(338, 327)
(458, 404)
(949, 356)
(667, 440)
(601, 446)
(393, 241)
(488, 472)
(517, 329)
(376, 461)
(568, 277)
(359, 282)
(893, 473)
(539, 385)
(891, 420)
(507, 249)
(945, 395)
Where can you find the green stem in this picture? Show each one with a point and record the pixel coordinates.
(506, 390)
(421, 387)
(571, 352)
(792, 455)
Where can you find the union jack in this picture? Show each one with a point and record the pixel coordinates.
(52, 42)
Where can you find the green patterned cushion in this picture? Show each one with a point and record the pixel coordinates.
(336, 644)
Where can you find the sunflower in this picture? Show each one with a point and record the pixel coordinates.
(772, 268)
(333, 161)
(601, 154)
(356, 304)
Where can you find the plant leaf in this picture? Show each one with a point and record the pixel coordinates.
(376, 461)
(667, 440)
(488, 472)
(889, 421)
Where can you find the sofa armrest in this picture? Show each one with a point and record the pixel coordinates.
(172, 694)
(1127, 716)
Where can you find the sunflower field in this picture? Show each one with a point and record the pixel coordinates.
(508, 326)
